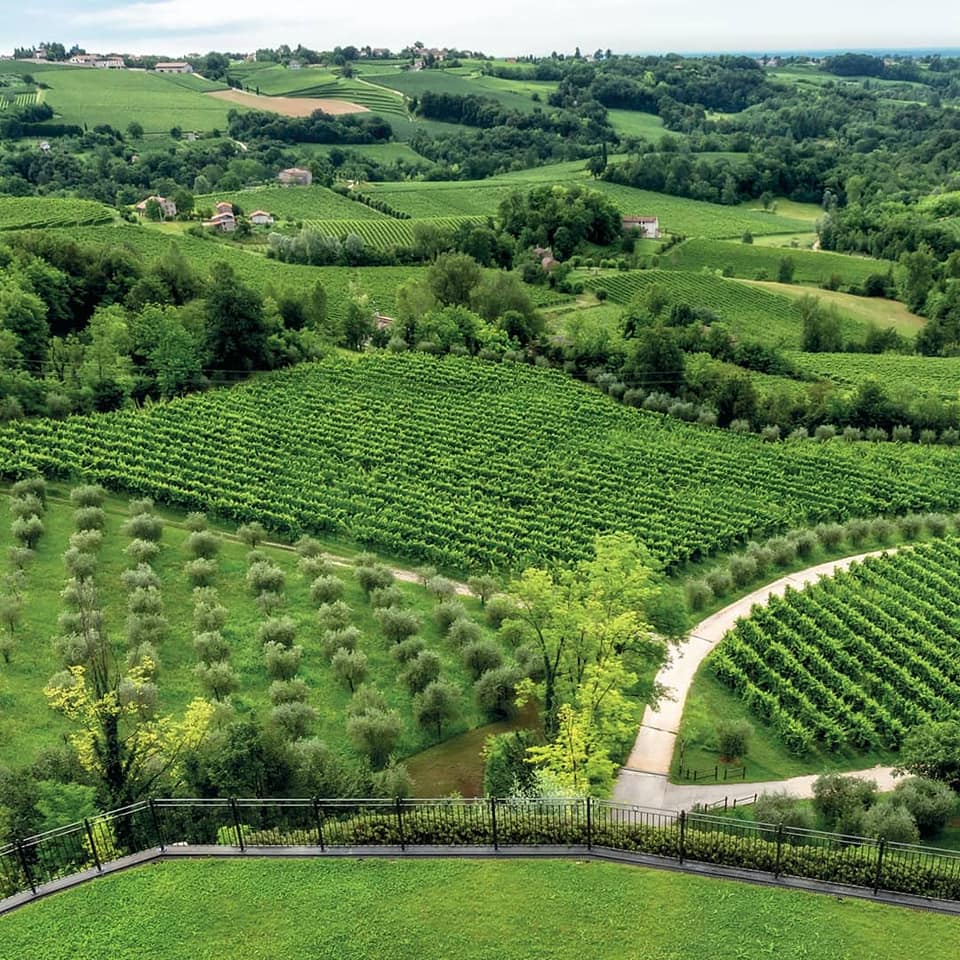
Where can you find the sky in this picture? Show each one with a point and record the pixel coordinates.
(498, 27)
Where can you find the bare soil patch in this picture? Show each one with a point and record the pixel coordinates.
(289, 106)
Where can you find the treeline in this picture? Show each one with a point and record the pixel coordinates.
(319, 127)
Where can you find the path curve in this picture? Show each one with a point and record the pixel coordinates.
(644, 778)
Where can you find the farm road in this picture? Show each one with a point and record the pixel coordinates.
(643, 780)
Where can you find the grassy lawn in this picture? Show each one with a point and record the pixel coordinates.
(28, 726)
(256, 909)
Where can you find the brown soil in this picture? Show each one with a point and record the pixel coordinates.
(289, 106)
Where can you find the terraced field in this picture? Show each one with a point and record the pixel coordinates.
(20, 213)
(857, 659)
(469, 464)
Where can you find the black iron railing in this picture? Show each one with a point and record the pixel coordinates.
(334, 825)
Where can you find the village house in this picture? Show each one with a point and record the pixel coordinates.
(547, 260)
(168, 209)
(382, 321)
(44, 146)
(261, 218)
(293, 65)
(295, 177)
(647, 227)
(173, 67)
(224, 219)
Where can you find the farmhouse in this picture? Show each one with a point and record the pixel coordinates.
(295, 176)
(647, 227)
(224, 219)
(293, 65)
(261, 217)
(382, 321)
(173, 67)
(168, 209)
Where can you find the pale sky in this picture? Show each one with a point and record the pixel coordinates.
(498, 27)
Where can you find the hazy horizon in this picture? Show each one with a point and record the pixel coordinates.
(177, 27)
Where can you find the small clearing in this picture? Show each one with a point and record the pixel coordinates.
(289, 106)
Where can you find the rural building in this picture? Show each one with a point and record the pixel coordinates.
(44, 146)
(84, 59)
(224, 219)
(647, 227)
(546, 258)
(293, 65)
(168, 209)
(261, 217)
(295, 177)
(382, 321)
(175, 67)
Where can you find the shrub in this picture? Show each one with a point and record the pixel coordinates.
(374, 731)
(145, 600)
(699, 594)
(927, 437)
(393, 781)
(294, 719)
(28, 530)
(805, 542)
(950, 437)
(252, 534)
(218, 679)
(835, 797)
(440, 587)
(783, 550)
(851, 434)
(761, 555)
(448, 612)
(350, 667)
(496, 690)
(308, 547)
(144, 526)
(889, 821)
(436, 705)
(140, 577)
(89, 495)
(881, 529)
(406, 650)
(481, 656)
(499, 608)
(876, 434)
(210, 646)
(28, 505)
(326, 590)
(740, 426)
(421, 671)
(89, 518)
(929, 802)
(857, 531)
(31, 487)
(346, 638)
(200, 572)
(782, 808)
(397, 625)
(463, 632)
(391, 596)
(288, 691)
(203, 544)
(826, 431)
(902, 434)
(831, 535)
(263, 577)
(312, 567)
(799, 433)
(282, 662)
(280, 630)
(733, 738)
(937, 523)
(334, 616)
(196, 522)
(142, 551)
(373, 578)
(80, 564)
(770, 433)
(742, 569)
(719, 581)
(483, 587)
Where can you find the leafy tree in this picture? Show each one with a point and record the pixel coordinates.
(452, 278)
(236, 332)
(421, 671)
(733, 738)
(932, 751)
(439, 703)
(375, 732)
(350, 667)
(929, 802)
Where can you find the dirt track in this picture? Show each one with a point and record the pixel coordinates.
(289, 106)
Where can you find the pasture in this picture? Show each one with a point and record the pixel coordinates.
(258, 909)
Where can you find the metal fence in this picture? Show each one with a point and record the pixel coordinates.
(336, 825)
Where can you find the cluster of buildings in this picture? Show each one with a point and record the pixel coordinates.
(224, 220)
(109, 62)
(647, 227)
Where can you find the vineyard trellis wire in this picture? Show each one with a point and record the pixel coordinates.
(31, 865)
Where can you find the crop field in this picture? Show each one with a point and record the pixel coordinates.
(747, 260)
(383, 232)
(857, 659)
(405, 909)
(634, 123)
(20, 213)
(295, 203)
(468, 464)
(118, 97)
(900, 375)
(749, 312)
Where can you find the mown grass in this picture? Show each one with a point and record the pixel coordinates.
(354, 910)
(28, 726)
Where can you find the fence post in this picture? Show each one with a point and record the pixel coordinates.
(318, 819)
(399, 807)
(776, 871)
(876, 881)
(25, 865)
(589, 824)
(236, 823)
(493, 822)
(157, 828)
(93, 845)
(683, 834)
(716, 774)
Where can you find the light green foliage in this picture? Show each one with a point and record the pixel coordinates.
(21, 213)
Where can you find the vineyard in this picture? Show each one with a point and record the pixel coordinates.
(23, 213)
(469, 464)
(444, 199)
(294, 203)
(901, 375)
(748, 260)
(9, 99)
(749, 312)
(384, 232)
(857, 659)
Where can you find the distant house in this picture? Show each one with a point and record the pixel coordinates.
(224, 219)
(44, 146)
(109, 63)
(547, 260)
(261, 217)
(647, 227)
(382, 321)
(168, 209)
(293, 65)
(295, 177)
(85, 59)
(173, 67)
